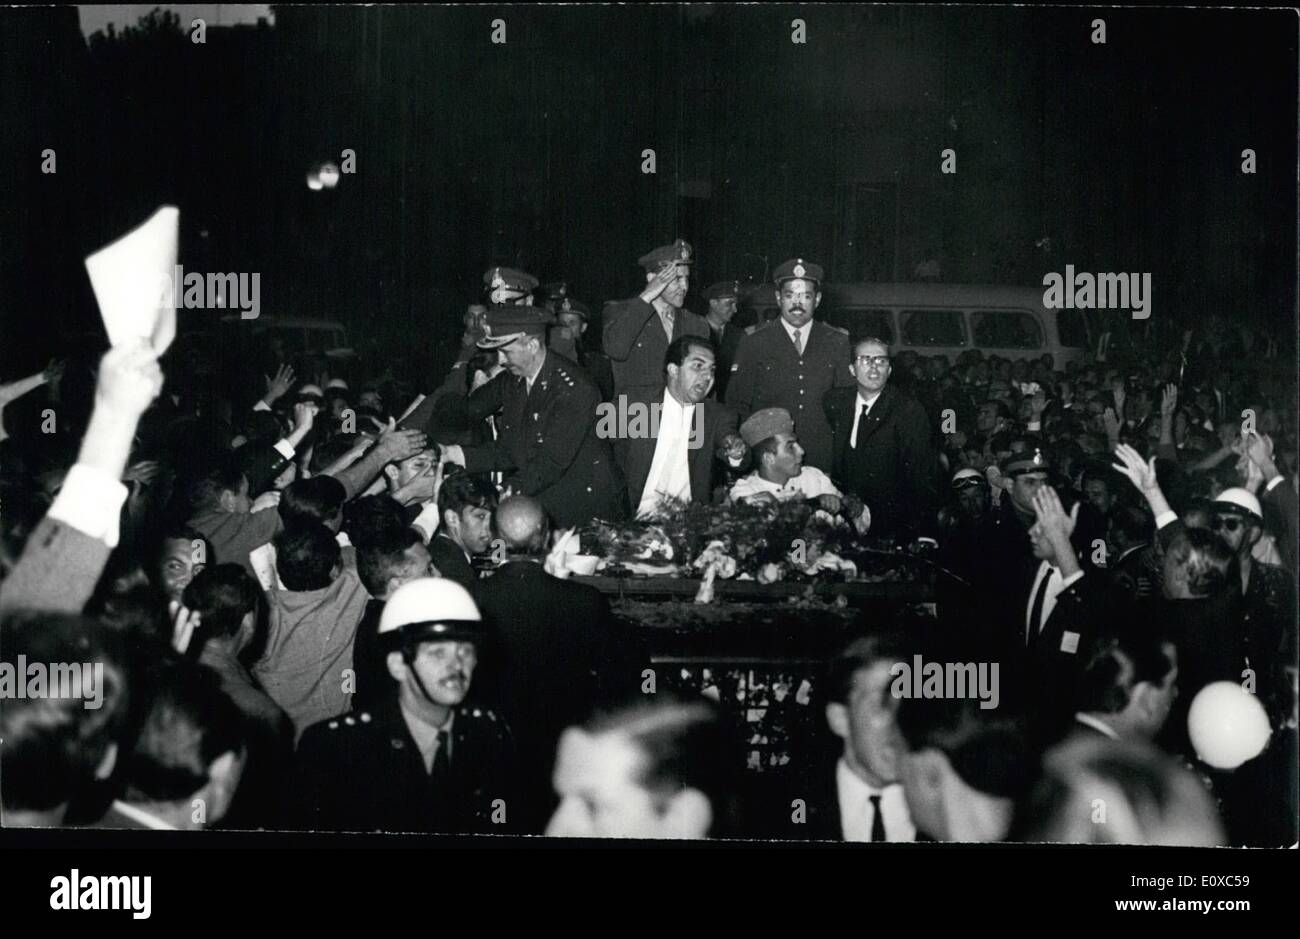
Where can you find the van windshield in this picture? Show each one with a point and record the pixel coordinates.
(933, 328)
(860, 321)
(1006, 329)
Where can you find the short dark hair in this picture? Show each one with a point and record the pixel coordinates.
(862, 653)
(1117, 664)
(222, 595)
(684, 743)
(329, 451)
(377, 561)
(188, 722)
(989, 751)
(316, 499)
(203, 491)
(54, 744)
(463, 490)
(371, 518)
(305, 556)
(1209, 562)
(762, 448)
(681, 347)
(859, 341)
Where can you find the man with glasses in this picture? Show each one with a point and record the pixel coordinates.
(793, 362)
(883, 449)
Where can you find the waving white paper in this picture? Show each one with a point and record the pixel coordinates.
(132, 280)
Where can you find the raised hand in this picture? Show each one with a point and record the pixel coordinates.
(184, 622)
(279, 386)
(1168, 401)
(400, 445)
(659, 283)
(1141, 474)
(1055, 524)
(129, 379)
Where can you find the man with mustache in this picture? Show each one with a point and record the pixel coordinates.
(793, 361)
(638, 331)
(421, 760)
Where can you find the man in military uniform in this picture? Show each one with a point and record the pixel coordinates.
(420, 760)
(506, 286)
(574, 317)
(793, 361)
(723, 298)
(638, 331)
(546, 442)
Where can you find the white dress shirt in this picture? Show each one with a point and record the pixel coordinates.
(1088, 720)
(857, 813)
(1055, 588)
(670, 471)
(857, 413)
(810, 483)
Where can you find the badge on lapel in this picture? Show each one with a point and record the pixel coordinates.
(1070, 642)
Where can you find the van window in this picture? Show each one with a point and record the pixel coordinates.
(933, 328)
(1070, 329)
(1006, 329)
(863, 322)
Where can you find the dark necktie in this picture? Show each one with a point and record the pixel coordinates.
(441, 761)
(1036, 611)
(862, 425)
(877, 820)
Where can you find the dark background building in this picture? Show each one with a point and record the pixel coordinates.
(1117, 157)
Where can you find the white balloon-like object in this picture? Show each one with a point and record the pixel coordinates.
(1227, 725)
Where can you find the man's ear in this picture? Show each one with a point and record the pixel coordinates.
(689, 815)
(817, 299)
(649, 276)
(1253, 534)
(1143, 700)
(396, 665)
(390, 471)
(837, 716)
(108, 763)
(223, 780)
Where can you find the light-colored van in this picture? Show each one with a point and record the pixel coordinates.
(947, 319)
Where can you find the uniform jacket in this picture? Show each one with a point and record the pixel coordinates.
(547, 445)
(894, 469)
(636, 455)
(769, 373)
(636, 343)
(363, 772)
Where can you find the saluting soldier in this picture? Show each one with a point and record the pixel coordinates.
(638, 331)
(546, 442)
(723, 298)
(793, 361)
(421, 760)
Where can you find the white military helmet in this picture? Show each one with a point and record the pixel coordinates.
(1242, 499)
(430, 609)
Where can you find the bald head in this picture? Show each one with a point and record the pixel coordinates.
(521, 520)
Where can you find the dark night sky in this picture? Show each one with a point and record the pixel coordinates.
(1127, 155)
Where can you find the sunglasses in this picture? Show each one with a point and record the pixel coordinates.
(1228, 522)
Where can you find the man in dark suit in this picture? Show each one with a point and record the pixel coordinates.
(1062, 612)
(422, 759)
(637, 331)
(793, 362)
(546, 408)
(556, 652)
(688, 434)
(860, 797)
(884, 451)
(465, 504)
(723, 298)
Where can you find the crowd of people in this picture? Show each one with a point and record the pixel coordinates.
(337, 607)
